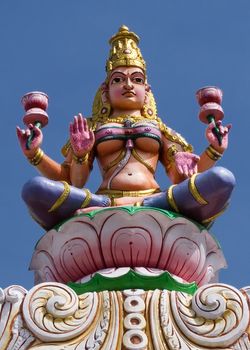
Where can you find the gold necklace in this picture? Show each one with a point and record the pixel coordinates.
(167, 132)
(121, 119)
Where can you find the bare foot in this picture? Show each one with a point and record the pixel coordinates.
(86, 210)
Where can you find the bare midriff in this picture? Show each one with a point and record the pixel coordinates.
(134, 177)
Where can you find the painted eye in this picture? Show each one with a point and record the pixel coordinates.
(117, 80)
(139, 80)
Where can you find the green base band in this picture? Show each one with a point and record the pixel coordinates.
(132, 280)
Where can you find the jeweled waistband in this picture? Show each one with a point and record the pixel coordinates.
(120, 193)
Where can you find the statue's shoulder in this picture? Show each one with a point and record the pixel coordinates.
(173, 136)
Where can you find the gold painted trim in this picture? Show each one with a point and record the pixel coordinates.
(212, 218)
(36, 160)
(115, 161)
(170, 198)
(173, 136)
(119, 193)
(194, 191)
(87, 200)
(62, 198)
(142, 161)
(212, 155)
(214, 151)
(81, 160)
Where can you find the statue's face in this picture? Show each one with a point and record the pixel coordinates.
(127, 88)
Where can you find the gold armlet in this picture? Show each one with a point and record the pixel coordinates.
(171, 152)
(212, 153)
(81, 160)
(66, 148)
(37, 157)
(65, 165)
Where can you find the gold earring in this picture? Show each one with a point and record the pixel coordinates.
(147, 112)
(105, 110)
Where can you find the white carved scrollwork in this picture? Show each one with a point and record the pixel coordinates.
(216, 316)
(243, 343)
(13, 334)
(52, 317)
(172, 336)
(106, 333)
(21, 337)
(53, 312)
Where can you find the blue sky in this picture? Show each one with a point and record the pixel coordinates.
(60, 47)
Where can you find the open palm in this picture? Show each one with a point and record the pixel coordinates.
(186, 163)
(82, 139)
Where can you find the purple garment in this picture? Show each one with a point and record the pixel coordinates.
(41, 193)
(214, 185)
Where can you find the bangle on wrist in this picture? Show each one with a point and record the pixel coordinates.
(81, 160)
(37, 157)
(212, 153)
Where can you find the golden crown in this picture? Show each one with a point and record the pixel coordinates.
(124, 50)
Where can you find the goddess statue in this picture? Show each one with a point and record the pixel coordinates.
(127, 138)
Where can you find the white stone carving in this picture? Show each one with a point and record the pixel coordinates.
(216, 316)
(243, 343)
(11, 327)
(53, 312)
(134, 321)
(52, 317)
(21, 337)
